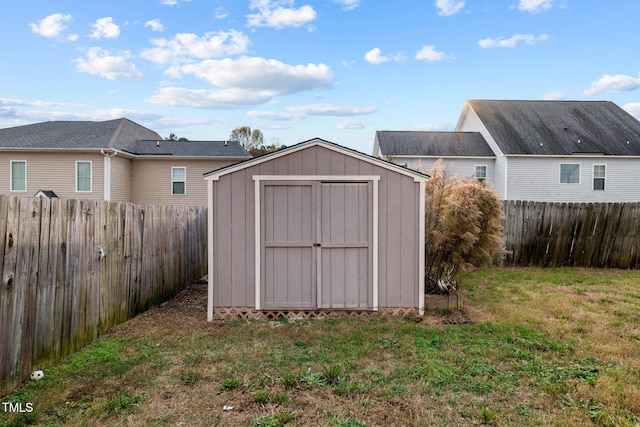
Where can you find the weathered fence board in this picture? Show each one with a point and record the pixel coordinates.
(572, 234)
(71, 269)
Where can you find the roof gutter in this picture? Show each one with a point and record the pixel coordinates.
(169, 156)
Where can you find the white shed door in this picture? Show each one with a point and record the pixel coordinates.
(316, 249)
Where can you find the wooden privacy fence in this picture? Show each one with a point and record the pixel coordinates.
(573, 234)
(71, 269)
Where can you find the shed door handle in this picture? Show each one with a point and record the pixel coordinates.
(317, 245)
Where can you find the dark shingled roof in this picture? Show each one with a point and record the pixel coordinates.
(120, 134)
(559, 127)
(187, 148)
(433, 144)
(114, 134)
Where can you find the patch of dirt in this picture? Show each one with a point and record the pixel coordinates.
(187, 312)
(452, 317)
(182, 314)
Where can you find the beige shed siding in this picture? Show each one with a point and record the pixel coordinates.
(120, 179)
(233, 250)
(60, 173)
(151, 180)
(538, 179)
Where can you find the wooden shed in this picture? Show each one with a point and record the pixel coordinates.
(312, 230)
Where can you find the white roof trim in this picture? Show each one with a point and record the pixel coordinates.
(573, 156)
(417, 156)
(215, 176)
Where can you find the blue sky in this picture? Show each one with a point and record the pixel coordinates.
(296, 69)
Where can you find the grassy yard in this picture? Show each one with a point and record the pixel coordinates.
(532, 347)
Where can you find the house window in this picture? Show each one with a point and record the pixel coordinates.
(481, 172)
(599, 173)
(83, 176)
(178, 180)
(18, 175)
(570, 173)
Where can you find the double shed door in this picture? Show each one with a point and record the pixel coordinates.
(316, 245)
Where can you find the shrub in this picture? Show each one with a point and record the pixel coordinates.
(463, 220)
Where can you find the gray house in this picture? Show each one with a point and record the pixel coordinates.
(313, 229)
(556, 151)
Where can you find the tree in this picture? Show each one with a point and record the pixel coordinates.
(173, 137)
(250, 140)
(253, 141)
(463, 221)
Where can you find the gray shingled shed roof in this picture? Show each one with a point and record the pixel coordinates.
(120, 134)
(559, 127)
(433, 144)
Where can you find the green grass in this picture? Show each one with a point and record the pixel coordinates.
(545, 347)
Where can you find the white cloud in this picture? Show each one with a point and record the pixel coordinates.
(242, 82)
(22, 103)
(279, 14)
(155, 25)
(101, 62)
(300, 112)
(449, 7)
(348, 4)
(185, 46)
(173, 2)
(259, 74)
(333, 110)
(353, 124)
(105, 28)
(512, 41)
(24, 112)
(633, 108)
(429, 53)
(220, 13)
(616, 84)
(209, 98)
(275, 115)
(535, 6)
(554, 96)
(52, 25)
(374, 56)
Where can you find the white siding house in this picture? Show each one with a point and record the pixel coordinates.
(555, 151)
(462, 153)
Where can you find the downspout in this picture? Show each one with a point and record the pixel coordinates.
(107, 173)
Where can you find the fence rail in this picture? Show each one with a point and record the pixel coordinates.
(573, 234)
(71, 269)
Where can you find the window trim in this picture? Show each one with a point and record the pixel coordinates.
(11, 162)
(174, 181)
(486, 172)
(90, 190)
(604, 178)
(579, 173)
